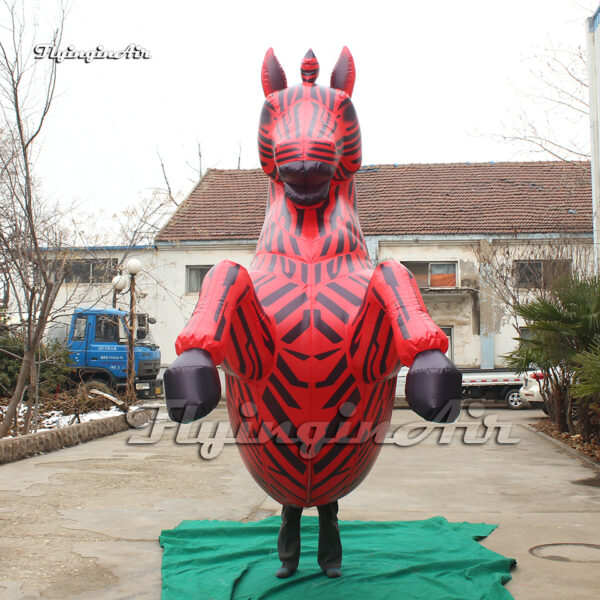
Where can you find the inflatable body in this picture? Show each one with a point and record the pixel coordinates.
(311, 337)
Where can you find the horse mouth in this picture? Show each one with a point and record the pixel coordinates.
(307, 195)
(306, 183)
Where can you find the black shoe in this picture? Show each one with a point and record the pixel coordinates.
(333, 572)
(284, 572)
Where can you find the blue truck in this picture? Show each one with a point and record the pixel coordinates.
(97, 342)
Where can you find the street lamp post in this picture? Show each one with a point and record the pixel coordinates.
(134, 266)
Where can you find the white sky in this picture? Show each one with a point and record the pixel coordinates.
(432, 78)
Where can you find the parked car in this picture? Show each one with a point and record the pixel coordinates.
(529, 394)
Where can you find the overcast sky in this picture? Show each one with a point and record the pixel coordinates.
(433, 78)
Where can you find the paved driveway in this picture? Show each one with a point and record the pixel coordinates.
(84, 522)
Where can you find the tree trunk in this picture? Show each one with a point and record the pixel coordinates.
(585, 420)
(569, 413)
(31, 396)
(38, 326)
(546, 393)
(560, 417)
(11, 410)
(29, 410)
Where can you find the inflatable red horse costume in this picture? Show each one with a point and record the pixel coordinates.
(311, 337)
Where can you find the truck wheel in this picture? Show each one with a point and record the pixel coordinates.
(513, 400)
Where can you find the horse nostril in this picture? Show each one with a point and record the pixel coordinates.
(306, 172)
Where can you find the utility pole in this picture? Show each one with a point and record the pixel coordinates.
(593, 51)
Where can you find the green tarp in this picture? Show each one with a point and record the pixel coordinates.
(432, 559)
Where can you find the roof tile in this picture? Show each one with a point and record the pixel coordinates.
(455, 198)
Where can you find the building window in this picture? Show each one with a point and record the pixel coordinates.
(528, 273)
(420, 272)
(442, 275)
(449, 331)
(534, 274)
(194, 277)
(98, 270)
(525, 333)
(436, 274)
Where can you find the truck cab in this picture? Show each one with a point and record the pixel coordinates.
(97, 342)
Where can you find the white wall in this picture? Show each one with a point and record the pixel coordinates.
(504, 342)
(93, 295)
(173, 306)
(414, 250)
(160, 287)
(451, 308)
(455, 310)
(162, 292)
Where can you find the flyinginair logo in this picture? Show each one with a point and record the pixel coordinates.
(474, 428)
(131, 52)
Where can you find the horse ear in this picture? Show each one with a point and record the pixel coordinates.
(344, 72)
(273, 76)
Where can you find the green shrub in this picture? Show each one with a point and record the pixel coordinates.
(53, 363)
(562, 342)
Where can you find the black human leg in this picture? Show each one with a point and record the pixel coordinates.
(288, 543)
(330, 544)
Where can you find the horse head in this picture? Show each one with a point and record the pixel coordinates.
(309, 134)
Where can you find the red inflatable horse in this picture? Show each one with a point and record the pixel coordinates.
(311, 337)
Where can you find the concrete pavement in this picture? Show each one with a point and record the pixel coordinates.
(83, 523)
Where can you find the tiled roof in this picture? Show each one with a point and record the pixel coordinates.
(460, 198)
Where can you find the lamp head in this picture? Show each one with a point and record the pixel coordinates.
(119, 282)
(134, 266)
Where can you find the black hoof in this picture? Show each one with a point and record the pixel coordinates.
(192, 386)
(333, 572)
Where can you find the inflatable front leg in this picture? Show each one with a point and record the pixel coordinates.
(192, 386)
(433, 387)
(394, 325)
(228, 326)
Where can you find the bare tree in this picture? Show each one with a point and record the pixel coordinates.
(519, 271)
(559, 128)
(516, 270)
(40, 244)
(31, 235)
(4, 286)
(196, 170)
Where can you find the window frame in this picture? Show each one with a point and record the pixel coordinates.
(188, 270)
(105, 267)
(114, 320)
(535, 282)
(525, 333)
(545, 277)
(438, 262)
(79, 318)
(429, 264)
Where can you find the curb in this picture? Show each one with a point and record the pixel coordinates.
(42, 442)
(588, 462)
